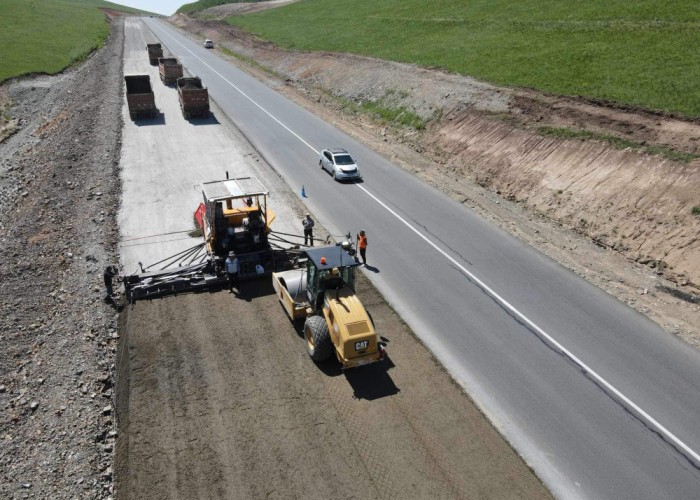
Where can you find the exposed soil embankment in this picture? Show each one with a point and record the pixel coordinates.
(59, 188)
(638, 204)
(628, 201)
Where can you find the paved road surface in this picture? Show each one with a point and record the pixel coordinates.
(599, 400)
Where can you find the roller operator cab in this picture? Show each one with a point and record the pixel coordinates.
(322, 290)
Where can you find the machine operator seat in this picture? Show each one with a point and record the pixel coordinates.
(332, 280)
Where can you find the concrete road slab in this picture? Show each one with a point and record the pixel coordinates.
(164, 160)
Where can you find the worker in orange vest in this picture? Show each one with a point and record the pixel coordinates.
(362, 245)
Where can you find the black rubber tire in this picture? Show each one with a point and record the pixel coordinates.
(318, 338)
(333, 175)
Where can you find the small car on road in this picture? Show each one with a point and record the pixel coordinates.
(339, 164)
(208, 44)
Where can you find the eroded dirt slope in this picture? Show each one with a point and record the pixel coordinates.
(58, 192)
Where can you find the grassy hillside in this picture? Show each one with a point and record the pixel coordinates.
(643, 53)
(41, 36)
(189, 8)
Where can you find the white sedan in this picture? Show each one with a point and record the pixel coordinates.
(339, 164)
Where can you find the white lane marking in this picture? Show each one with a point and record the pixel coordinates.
(545, 335)
(672, 437)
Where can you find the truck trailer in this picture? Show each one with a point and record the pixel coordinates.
(169, 69)
(155, 50)
(194, 98)
(140, 97)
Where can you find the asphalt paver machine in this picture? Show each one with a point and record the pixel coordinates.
(233, 217)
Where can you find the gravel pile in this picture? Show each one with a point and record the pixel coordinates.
(59, 194)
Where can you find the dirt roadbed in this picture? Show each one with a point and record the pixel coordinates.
(217, 398)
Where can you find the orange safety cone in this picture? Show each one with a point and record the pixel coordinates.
(303, 192)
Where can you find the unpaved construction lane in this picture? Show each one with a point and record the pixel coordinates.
(218, 399)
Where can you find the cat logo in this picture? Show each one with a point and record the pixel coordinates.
(359, 346)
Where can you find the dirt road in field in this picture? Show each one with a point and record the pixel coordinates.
(218, 399)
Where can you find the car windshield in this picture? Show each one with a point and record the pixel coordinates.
(344, 160)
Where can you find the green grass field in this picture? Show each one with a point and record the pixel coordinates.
(640, 53)
(41, 36)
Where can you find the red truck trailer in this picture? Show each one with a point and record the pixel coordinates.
(170, 70)
(140, 97)
(194, 98)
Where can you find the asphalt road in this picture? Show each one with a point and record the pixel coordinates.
(599, 400)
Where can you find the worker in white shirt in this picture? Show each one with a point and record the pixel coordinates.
(232, 268)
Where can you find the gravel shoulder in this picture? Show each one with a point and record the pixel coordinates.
(58, 192)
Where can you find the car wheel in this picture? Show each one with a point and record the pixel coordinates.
(334, 177)
(320, 164)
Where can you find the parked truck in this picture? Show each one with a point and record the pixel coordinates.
(194, 98)
(170, 70)
(140, 97)
(154, 52)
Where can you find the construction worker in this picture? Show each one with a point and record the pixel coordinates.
(362, 245)
(232, 267)
(308, 224)
(108, 275)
